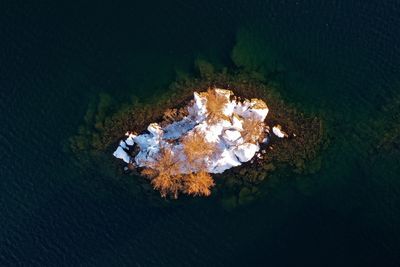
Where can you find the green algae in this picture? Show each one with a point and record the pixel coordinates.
(253, 53)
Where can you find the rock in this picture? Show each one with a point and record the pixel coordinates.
(121, 154)
(123, 144)
(265, 141)
(245, 152)
(278, 132)
(226, 161)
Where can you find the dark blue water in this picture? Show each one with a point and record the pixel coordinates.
(341, 58)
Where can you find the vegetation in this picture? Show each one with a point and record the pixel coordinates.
(197, 150)
(174, 114)
(166, 177)
(198, 184)
(165, 173)
(215, 105)
(253, 130)
(253, 52)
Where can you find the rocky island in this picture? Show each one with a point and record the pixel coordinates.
(217, 131)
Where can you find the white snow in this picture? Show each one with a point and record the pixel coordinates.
(129, 141)
(245, 152)
(211, 132)
(261, 113)
(155, 129)
(278, 132)
(231, 135)
(199, 108)
(226, 134)
(228, 110)
(237, 124)
(123, 144)
(226, 161)
(121, 154)
(178, 128)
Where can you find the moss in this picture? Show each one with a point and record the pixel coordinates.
(384, 129)
(229, 202)
(205, 69)
(245, 196)
(253, 53)
(231, 182)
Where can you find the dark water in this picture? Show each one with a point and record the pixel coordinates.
(342, 59)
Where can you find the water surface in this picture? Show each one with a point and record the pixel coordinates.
(340, 58)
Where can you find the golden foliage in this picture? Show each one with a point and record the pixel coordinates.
(198, 184)
(166, 162)
(149, 173)
(167, 184)
(215, 105)
(196, 149)
(165, 172)
(252, 130)
(167, 179)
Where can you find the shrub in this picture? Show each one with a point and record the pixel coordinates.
(215, 105)
(167, 179)
(167, 184)
(198, 184)
(197, 149)
(252, 130)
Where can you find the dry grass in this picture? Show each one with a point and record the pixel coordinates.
(173, 114)
(252, 130)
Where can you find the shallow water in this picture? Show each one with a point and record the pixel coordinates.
(340, 58)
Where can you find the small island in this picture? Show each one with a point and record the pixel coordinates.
(220, 133)
(214, 132)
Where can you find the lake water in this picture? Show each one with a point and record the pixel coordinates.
(341, 59)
